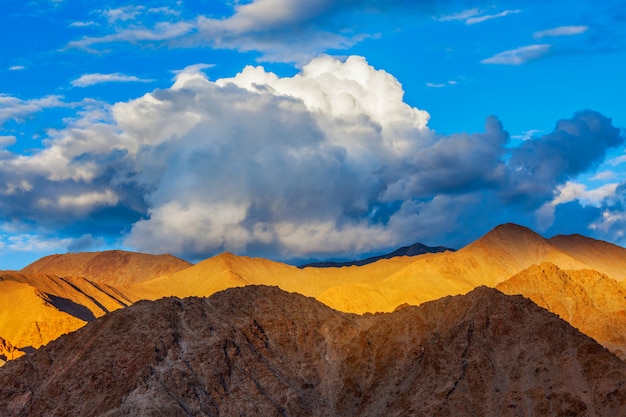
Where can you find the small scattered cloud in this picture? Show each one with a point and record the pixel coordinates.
(527, 135)
(464, 15)
(17, 68)
(122, 13)
(7, 141)
(83, 24)
(13, 108)
(604, 176)
(560, 31)
(484, 18)
(519, 56)
(475, 15)
(97, 78)
(441, 85)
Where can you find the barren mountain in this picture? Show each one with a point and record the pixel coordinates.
(114, 267)
(228, 270)
(61, 293)
(590, 301)
(601, 256)
(412, 250)
(261, 351)
(28, 318)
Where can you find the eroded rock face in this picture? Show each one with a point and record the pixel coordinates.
(588, 300)
(263, 352)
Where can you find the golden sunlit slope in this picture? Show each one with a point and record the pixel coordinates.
(113, 267)
(383, 285)
(30, 319)
(601, 256)
(504, 251)
(228, 270)
(96, 297)
(587, 299)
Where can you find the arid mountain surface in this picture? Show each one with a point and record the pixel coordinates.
(262, 351)
(60, 293)
(114, 267)
(590, 301)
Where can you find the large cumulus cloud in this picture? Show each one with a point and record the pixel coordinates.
(329, 161)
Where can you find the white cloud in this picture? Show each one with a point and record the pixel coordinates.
(81, 24)
(519, 56)
(15, 108)
(441, 85)
(527, 135)
(33, 243)
(86, 80)
(463, 15)
(573, 191)
(7, 141)
(17, 68)
(484, 18)
(475, 15)
(282, 30)
(330, 160)
(122, 14)
(561, 31)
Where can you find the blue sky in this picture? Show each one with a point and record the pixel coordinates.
(300, 130)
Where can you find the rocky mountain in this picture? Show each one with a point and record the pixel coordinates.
(262, 351)
(113, 267)
(61, 304)
(588, 300)
(61, 293)
(412, 250)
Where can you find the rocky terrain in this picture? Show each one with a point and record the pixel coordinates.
(261, 351)
(61, 293)
(590, 301)
(113, 267)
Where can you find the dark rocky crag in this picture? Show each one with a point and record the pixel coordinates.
(264, 352)
(412, 250)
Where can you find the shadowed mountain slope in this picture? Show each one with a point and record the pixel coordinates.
(261, 351)
(412, 250)
(590, 301)
(113, 267)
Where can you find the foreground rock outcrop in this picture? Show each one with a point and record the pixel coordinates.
(262, 351)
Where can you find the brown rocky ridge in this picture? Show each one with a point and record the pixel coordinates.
(261, 351)
(36, 307)
(114, 267)
(588, 300)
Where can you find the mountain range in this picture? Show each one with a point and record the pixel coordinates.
(264, 352)
(326, 350)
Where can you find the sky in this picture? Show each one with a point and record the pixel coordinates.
(302, 130)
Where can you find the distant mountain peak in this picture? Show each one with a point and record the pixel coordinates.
(412, 250)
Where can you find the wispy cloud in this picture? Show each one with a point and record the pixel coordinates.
(561, 31)
(17, 68)
(484, 18)
(464, 15)
(474, 16)
(441, 85)
(15, 108)
(82, 24)
(97, 78)
(519, 56)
